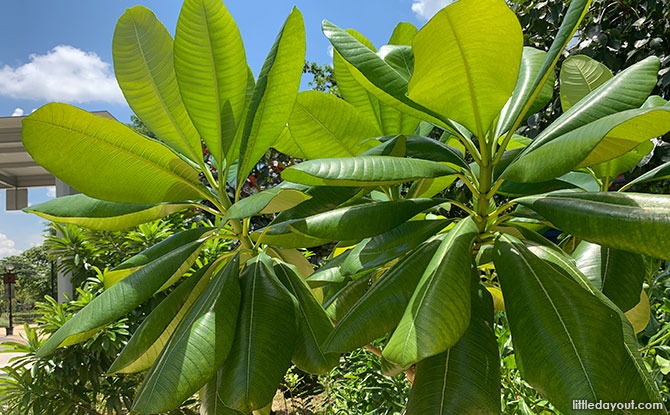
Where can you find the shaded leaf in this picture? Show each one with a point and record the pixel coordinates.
(580, 75)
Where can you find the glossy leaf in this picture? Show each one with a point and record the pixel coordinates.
(573, 180)
(274, 95)
(314, 325)
(439, 310)
(640, 315)
(524, 98)
(382, 307)
(322, 199)
(618, 274)
(198, 347)
(347, 223)
(466, 378)
(323, 125)
(122, 297)
(362, 171)
(339, 298)
(263, 344)
(113, 162)
(661, 172)
(211, 68)
(144, 67)
(453, 75)
(98, 214)
(559, 331)
(580, 75)
(403, 34)
(420, 148)
(157, 251)
(531, 62)
(152, 335)
(631, 222)
(594, 143)
(627, 90)
(628, 161)
(271, 200)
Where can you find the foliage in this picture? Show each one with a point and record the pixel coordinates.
(33, 277)
(322, 77)
(232, 328)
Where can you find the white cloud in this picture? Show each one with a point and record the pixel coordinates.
(331, 50)
(65, 73)
(427, 8)
(51, 191)
(7, 246)
(17, 112)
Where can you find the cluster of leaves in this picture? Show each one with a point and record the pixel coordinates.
(404, 267)
(33, 277)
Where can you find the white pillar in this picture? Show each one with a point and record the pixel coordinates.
(64, 280)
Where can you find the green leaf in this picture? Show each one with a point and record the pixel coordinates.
(439, 310)
(314, 325)
(560, 332)
(661, 172)
(453, 74)
(618, 274)
(271, 200)
(466, 378)
(627, 90)
(580, 75)
(152, 335)
(198, 347)
(210, 401)
(368, 171)
(594, 143)
(374, 252)
(572, 180)
(628, 221)
(323, 199)
(112, 162)
(403, 34)
(419, 147)
(275, 93)
(382, 307)
(157, 251)
(323, 125)
(122, 297)
(345, 224)
(524, 98)
(101, 215)
(532, 60)
(339, 298)
(211, 69)
(264, 344)
(624, 163)
(144, 68)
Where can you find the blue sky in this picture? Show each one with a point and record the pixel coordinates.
(60, 50)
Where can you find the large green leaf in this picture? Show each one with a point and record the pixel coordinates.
(211, 69)
(382, 307)
(525, 97)
(322, 199)
(453, 52)
(580, 75)
(618, 274)
(198, 347)
(439, 310)
(561, 332)
(265, 339)
(403, 34)
(627, 90)
(420, 148)
(466, 378)
(377, 251)
(612, 168)
(275, 93)
(144, 68)
(314, 325)
(368, 171)
(629, 221)
(573, 180)
(157, 251)
(531, 62)
(122, 297)
(102, 215)
(323, 125)
(152, 335)
(112, 161)
(659, 173)
(345, 224)
(594, 143)
(272, 200)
